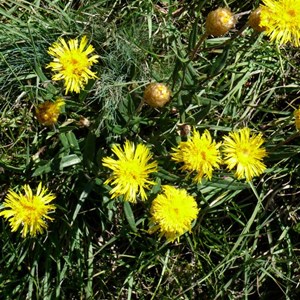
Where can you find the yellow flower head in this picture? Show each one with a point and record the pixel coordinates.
(157, 94)
(130, 171)
(254, 20)
(297, 118)
(199, 154)
(282, 20)
(27, 210)
(172, 213)
(244, 152)
(47, 113)
(219, 22)
(72, 62)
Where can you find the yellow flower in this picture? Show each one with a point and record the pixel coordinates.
(131, 171)
(199, 153)
(72, 63)
(297, 118)
(172, 213)
(47, 113)
(27, 210)
(244, 152)
(219, 22)
(282, 20)
(157, 94)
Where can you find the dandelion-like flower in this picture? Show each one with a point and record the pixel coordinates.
(130, 171)
(157, 94)
(173, 212)
(28, 210)
(282, 20)
(198, 154)
(72, 62)
(243, 151)
(297, 118)
(48, 112)
(219, 22)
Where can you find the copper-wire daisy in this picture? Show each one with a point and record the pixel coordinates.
(243, 151)
(130, 171)
(281, 18)
(198, 154)
(172, 213)
(28, 210)
(72, 62)
(47, 113)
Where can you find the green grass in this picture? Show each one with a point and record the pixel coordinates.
(245, 243)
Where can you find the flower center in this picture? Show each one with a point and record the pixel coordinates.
(29, 208)
(243, 155)
(74, 61)
(203, 155)
(292, 13)
(131, 171)
(75, 66)
(30, 213)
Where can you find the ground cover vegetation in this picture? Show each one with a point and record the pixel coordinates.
(149, 149)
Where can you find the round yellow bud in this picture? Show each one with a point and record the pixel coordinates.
(254, 20)
(219, 22)
(157, 94)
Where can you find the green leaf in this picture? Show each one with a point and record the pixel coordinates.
(73, 141)
(64, 141)
(219, 63)
(129, 216)
(69, 160)
(44, 169)
(87, 189)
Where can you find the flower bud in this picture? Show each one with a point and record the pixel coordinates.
(47, 113)
(184, 130)
(84, 122)
(157, 94)
(219, 22)
(254, 20)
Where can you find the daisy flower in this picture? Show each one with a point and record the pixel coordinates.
(281, 18)
(28, 210)
(131, 171)
(198, 154)
(172, 213)
(243, 151)
(72, 62)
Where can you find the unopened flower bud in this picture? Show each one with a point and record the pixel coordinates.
(184, 129)
(157, 94)
(84, 122)
(254, 20)
(219, 22)
(47, 113)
